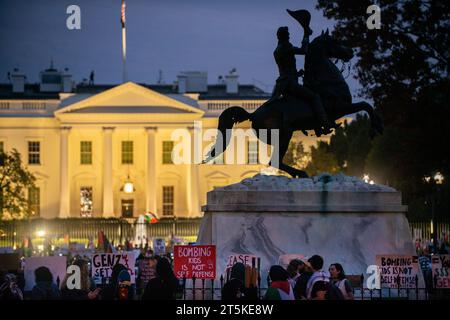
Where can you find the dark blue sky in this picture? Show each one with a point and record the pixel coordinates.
(168, 35)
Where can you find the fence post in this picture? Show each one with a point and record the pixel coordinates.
(203, 289)
(212, 289)
(193, 287)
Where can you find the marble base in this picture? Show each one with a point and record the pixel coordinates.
(340, 218)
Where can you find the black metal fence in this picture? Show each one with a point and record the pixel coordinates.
(82, 229)
(202, 289)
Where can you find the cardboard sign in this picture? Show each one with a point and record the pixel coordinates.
(246, 259)
(195, 261)
(394, 266)
(57, 266)
(103, 264)
(440, 265)
(9, 261)
(159, 246)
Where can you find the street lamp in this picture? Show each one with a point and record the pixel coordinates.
(435, 180)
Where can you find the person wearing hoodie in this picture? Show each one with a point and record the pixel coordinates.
(45, 288)
(280, 288)
(110, 291)
(234, 288)
(318, 284)
(164, 285)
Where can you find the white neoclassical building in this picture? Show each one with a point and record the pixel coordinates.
(105, 150)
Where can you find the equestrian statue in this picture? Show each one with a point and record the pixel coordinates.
(323, 98)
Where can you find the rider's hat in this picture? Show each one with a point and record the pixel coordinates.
(303, 17)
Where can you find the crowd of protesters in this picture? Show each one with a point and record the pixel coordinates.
(302, 279)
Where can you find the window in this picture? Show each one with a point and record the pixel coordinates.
(86, 152)
(34, 152)
(127, 152)
(34, 201)
(86, 203)
(168, 200)
(2, 147)
(127, 208)
(252, 155)
(167, 152)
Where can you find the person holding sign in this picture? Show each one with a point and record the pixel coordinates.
(87, 290)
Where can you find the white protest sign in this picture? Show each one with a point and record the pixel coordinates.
(246, 259)
(57, 266)
(398, 267)
(441, 271)
(159, 246)
(103, 264)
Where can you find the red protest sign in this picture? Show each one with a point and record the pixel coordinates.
(195, 261)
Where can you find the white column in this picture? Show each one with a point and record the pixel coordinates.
(108, 201)
(150, 178)
(64, 196)
(192, 181)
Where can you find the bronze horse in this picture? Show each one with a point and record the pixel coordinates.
(289, 114)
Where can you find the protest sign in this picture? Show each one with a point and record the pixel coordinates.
(195, 261)
(398, 270)
(103, 264)
(159, 246)
(57, 266)
(440, 265)
(9, 261)
(247, 259)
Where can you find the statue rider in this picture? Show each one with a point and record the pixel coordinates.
(287, 82)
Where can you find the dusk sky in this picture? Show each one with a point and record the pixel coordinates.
(168, 35)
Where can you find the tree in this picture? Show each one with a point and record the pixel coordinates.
(322, 160)
(404, 69)
(14, 180)
(296, 156)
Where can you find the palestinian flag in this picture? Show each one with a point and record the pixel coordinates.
(151, 218)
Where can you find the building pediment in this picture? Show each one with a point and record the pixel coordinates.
(130, 99)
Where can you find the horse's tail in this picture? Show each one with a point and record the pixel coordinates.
(228, 118)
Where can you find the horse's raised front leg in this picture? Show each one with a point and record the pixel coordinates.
(277, 157)
(375, 119)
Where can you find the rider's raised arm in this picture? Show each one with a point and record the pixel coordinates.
(304, 47)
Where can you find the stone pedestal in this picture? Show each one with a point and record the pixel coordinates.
(341, 218)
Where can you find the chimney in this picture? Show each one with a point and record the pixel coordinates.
(231, 81)
(182, 83)
(18, 81)
(192, 82)
(66, 79)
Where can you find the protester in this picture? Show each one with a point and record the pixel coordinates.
(9, 289)
(292, 269)
(280, 288)
(234, 288)
(45, 288)
(164, 285)
(146, 271)
(339, 280)
(87, 290)
(110, 291)
(125, 290)
(305, 271)
(317, 286)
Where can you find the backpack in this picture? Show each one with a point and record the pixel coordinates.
(334, 293)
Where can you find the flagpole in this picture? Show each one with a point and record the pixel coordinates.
(124, 43)
(124, 54)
